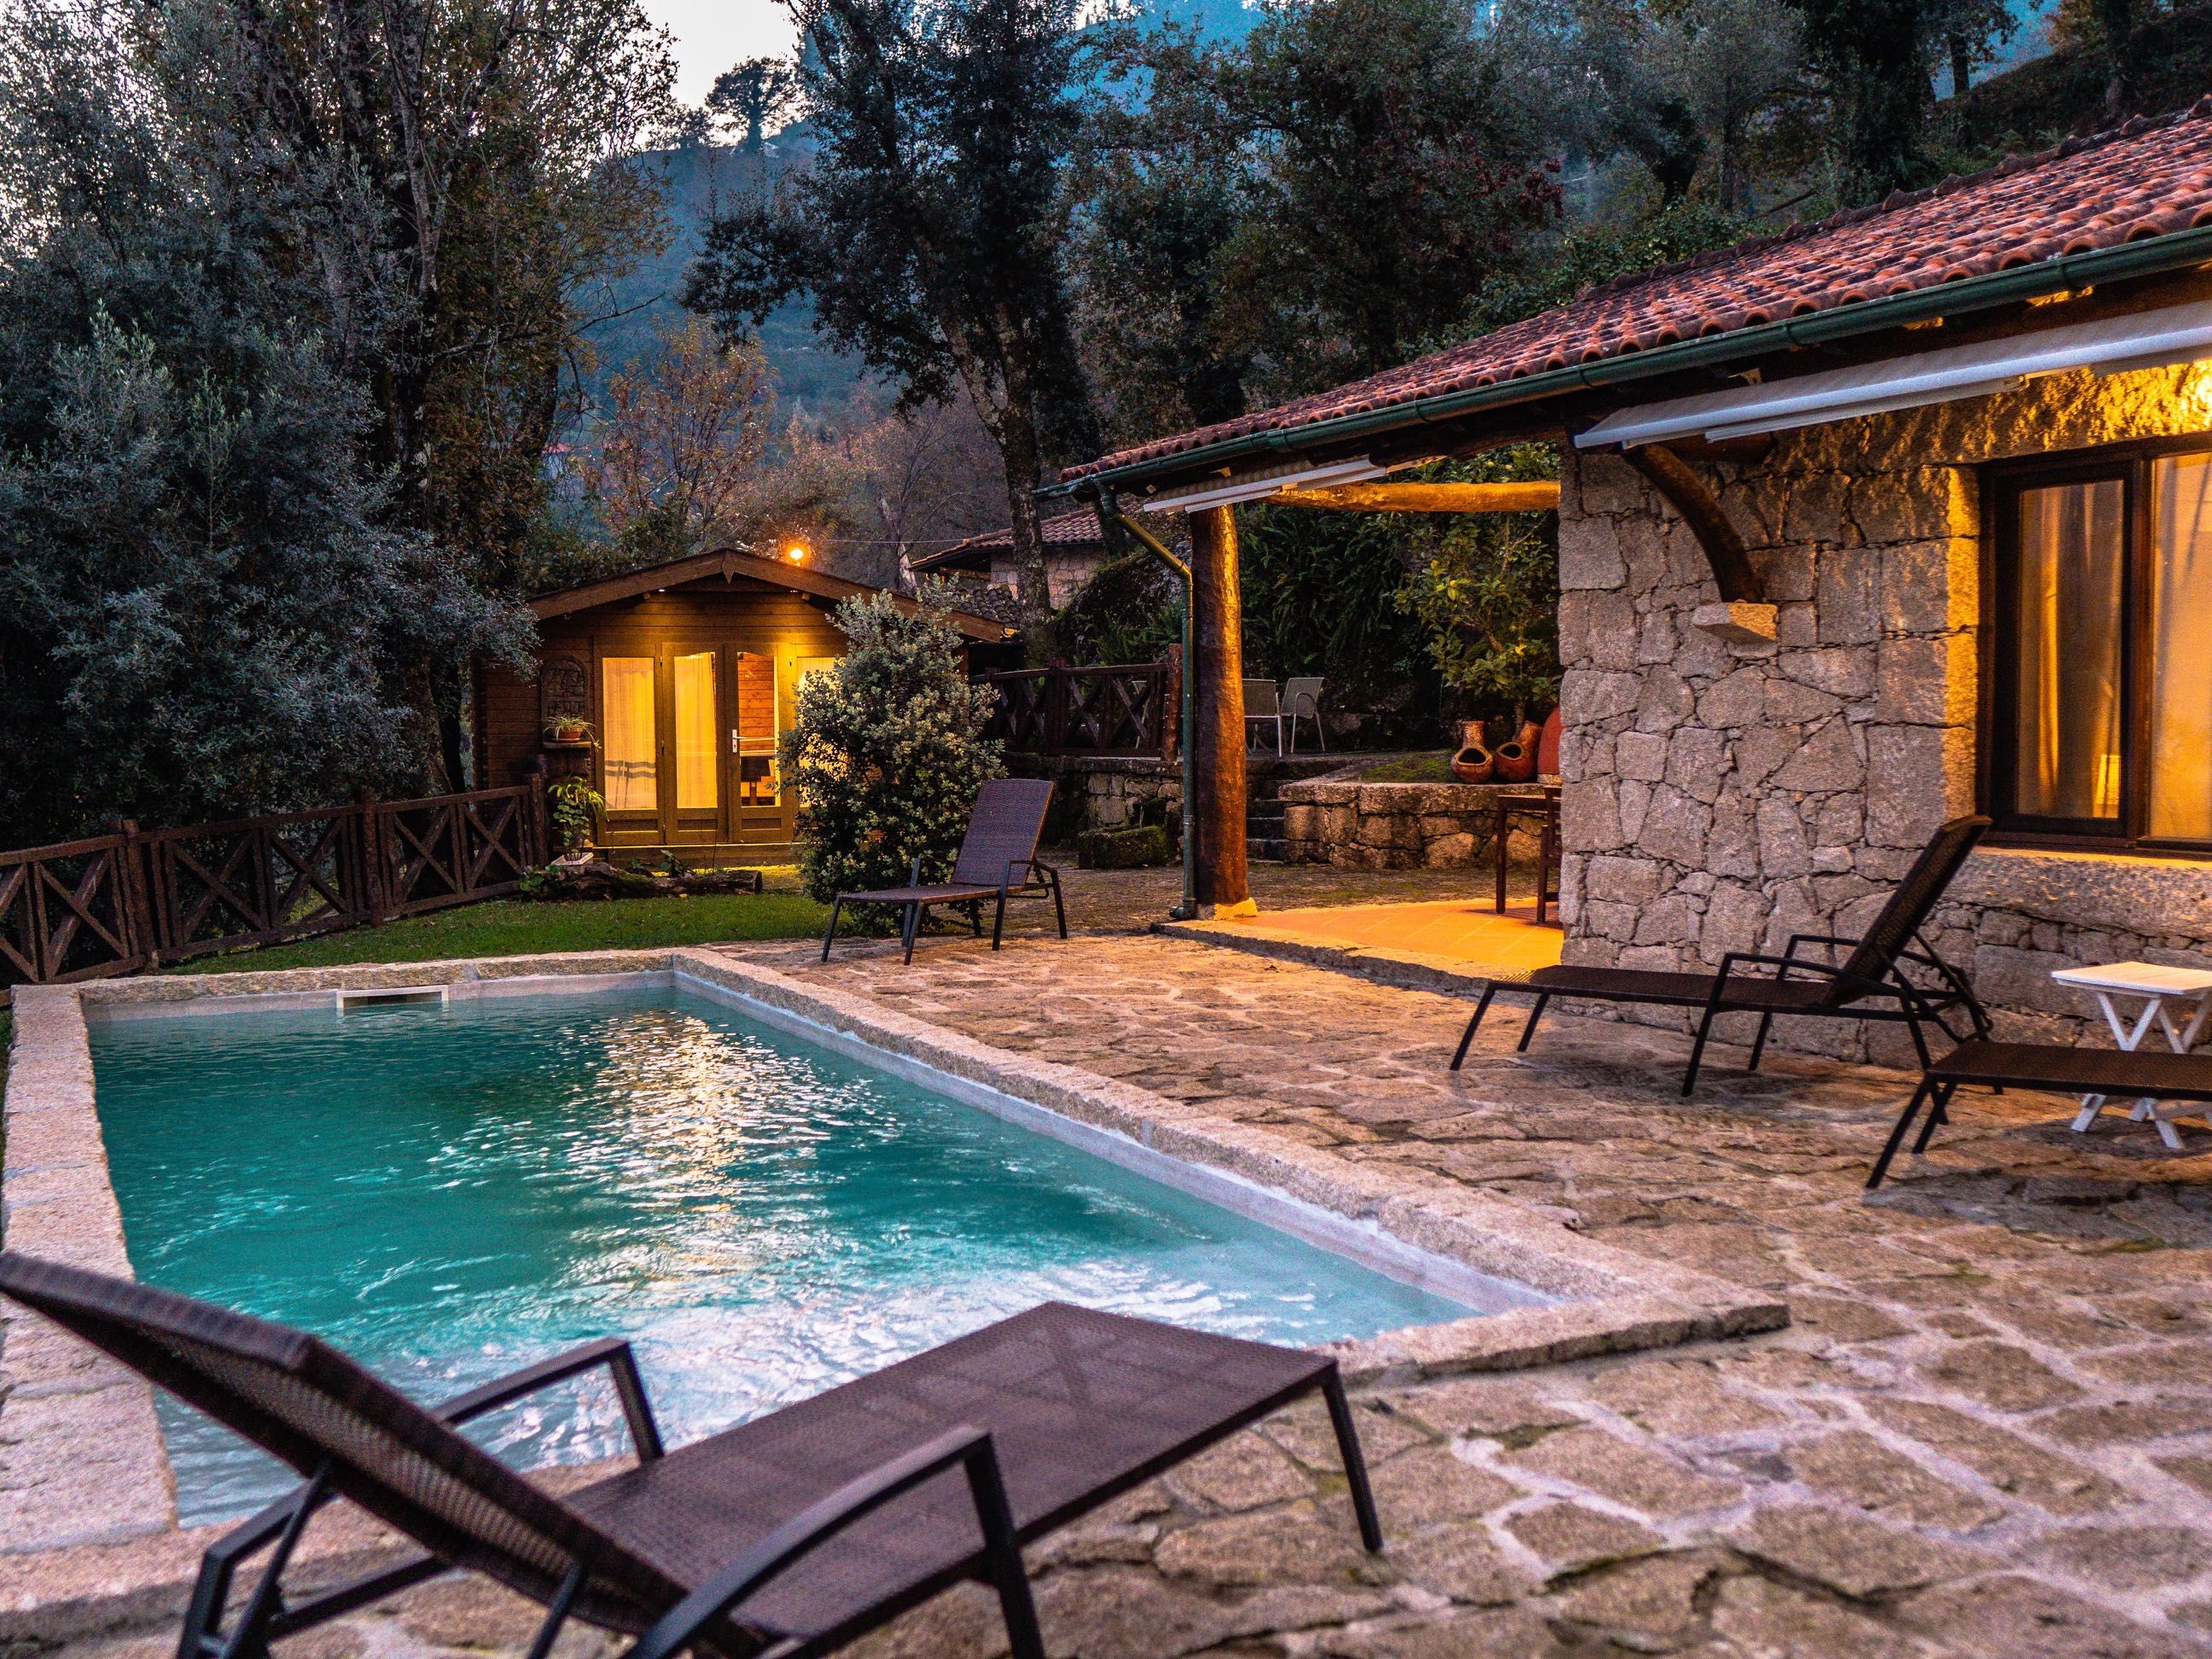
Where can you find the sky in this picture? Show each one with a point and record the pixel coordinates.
(712, 34)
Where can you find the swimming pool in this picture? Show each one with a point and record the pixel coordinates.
(448, 1191)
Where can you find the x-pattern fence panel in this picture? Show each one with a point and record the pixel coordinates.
(112, 904)
(1119, 710)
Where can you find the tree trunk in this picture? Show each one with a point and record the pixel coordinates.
(1218, 664)
(1962, 67)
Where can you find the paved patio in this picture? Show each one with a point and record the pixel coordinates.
(1989, 1432)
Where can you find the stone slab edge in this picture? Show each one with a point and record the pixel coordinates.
(81, 1460)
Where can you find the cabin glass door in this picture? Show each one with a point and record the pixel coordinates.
(629, 746)
(693, 811)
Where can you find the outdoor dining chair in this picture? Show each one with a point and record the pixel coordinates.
(1263, 706)
(1302, 702)
(791, 1534)
(1869, 984)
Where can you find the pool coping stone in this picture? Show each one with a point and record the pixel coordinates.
(99, 1545)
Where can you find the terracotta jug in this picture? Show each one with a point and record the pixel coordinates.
(1473, 763)
(1516, 761)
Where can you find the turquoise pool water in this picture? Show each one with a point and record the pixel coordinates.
(447, 1193)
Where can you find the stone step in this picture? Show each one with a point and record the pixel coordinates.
(1265, 820)
(1266, 849)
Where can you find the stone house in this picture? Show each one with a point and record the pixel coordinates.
(1898, 516)
(1074, 547)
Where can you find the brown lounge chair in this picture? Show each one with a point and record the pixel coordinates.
(997, 861)
(791, 1534)
(1870, 984)
(2145, 1075)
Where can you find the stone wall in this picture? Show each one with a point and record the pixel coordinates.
(1722, 796)
(1394, 826)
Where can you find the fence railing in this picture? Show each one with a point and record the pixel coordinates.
(1125, 710)
(138, 898)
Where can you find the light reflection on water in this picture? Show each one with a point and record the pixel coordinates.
(448, 1192)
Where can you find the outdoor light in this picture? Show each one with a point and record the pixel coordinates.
(796, 552)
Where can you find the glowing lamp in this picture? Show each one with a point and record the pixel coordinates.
(796, 552)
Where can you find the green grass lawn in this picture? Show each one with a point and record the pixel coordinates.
(509, 927)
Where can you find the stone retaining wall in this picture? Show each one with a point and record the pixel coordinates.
(1395, 826)
(1724, 795)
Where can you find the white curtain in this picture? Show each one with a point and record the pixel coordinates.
(2072, 556)
(627, 737)
(698, 753)
(2181, 681)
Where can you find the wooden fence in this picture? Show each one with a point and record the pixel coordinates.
(1127, 710)
(116, 904)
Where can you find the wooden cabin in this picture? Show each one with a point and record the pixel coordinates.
(668, 688)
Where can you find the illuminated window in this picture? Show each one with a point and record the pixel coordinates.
(2101, 670)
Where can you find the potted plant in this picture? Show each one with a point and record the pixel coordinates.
(574, 807)
(568, 728)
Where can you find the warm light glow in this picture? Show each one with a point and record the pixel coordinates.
(796, 552)
(2194, 397)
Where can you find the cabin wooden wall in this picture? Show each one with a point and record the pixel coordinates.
(734, 616)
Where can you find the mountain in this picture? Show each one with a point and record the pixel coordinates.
(694, 177)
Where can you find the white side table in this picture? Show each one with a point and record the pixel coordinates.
(2160, 988)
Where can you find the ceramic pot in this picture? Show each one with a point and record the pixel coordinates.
(1473, 764)
(1516, 761)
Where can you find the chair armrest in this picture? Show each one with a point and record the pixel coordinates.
(1796, 939)
(816, 1525)
(610, 1352)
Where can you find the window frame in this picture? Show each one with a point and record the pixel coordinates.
(2002, 484)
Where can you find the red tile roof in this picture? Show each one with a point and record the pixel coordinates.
(1076, 529)
(2149, 178)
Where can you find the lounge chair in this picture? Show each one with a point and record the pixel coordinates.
(788, 1535)
(2143, 1075)
(997, 861)
(1870, 984)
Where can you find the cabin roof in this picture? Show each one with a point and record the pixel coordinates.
(730, 564)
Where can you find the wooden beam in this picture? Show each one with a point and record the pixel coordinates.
(1540, 497)
(1673, 477)
(1218, 690)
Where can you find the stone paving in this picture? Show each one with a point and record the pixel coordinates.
(1987, 1431)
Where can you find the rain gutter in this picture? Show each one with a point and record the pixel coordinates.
(2150, 256)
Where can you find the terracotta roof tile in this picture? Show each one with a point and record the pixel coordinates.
(2149, 178)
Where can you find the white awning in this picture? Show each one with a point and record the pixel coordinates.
(2147, 340)
(1261, 482)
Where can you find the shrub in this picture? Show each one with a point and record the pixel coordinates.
(886, 749)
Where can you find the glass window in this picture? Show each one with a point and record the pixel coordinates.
(628, 739)
(2101, 662)
(698, 755)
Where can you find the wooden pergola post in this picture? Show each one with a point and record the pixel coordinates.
(1217, 671)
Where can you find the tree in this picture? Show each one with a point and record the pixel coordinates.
(1164, 177)
(1398, 168)
(753, 93)
(682, 445)
(213, 604)
(886, 749)
(1872, 55)
(927, 230)
(1487, 593)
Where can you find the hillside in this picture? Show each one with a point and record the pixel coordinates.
(2061, 94)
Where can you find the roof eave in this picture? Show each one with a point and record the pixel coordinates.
(2150, 256)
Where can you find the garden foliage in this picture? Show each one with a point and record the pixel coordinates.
(886, 749)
